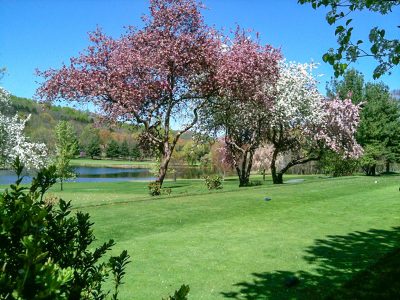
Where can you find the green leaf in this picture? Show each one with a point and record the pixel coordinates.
(348, 21)
(346, 39)
(325, 57)
(374, 49)
(339, 29)
(331, 19)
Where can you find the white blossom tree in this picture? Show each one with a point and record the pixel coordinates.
(13, 142)
(303, 123)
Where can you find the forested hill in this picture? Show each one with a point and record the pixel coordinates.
(44, 118)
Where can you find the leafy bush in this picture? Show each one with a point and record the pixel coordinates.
(335, 165)
(166, 191)
(213, 182)
(180, 294)
(154, 188)
(45, 252)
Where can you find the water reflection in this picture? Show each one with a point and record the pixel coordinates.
(188, 172)
(8, 177)
(98, 174)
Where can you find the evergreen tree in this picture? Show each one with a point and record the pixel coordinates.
(124, 149)
(350, 87)
(93, 148)
(113, 150)
(379, 130)
(135, 152)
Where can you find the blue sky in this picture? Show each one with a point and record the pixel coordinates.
(44, 33)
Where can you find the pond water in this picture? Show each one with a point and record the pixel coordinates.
(98, 174)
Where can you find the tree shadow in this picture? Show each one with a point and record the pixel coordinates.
(334, 261)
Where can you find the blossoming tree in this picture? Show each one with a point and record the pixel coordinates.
(262, 159)
(246, 75)
(304, 123)
(13, 142)
(150, 76)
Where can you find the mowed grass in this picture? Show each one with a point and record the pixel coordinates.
(312, 237)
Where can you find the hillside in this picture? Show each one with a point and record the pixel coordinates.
(44, 118)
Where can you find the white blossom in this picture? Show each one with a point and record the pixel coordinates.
(14, 143)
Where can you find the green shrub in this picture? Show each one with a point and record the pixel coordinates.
(213, 182)
(45, 252)
(166, 191)
(335, 165)
(154, 188)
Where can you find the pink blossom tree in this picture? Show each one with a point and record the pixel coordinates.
(262, 159)
(151, 76)
(246, 75)
(304, 123)
(220, 159)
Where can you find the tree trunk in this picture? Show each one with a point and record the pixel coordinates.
(163, 168)
(263, 174)
(371, 170)
(277, 177)
(387, 166)
(243, 181)
(61, 182)
(240, 170)
(244, 169)
(167, 150)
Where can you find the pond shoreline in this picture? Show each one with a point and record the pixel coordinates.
(135, 166)
(106, 163)
(122, 172)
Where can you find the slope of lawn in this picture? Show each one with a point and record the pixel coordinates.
(312, 237)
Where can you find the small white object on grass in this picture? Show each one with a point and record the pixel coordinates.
(376, 181)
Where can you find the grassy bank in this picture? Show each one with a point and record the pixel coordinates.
(108, 163)
(312, 237)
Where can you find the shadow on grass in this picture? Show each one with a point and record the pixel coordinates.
(335, 260)
(175, 186)
(389, 174)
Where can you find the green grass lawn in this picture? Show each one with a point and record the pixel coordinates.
(84, 162)
(312, 237)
